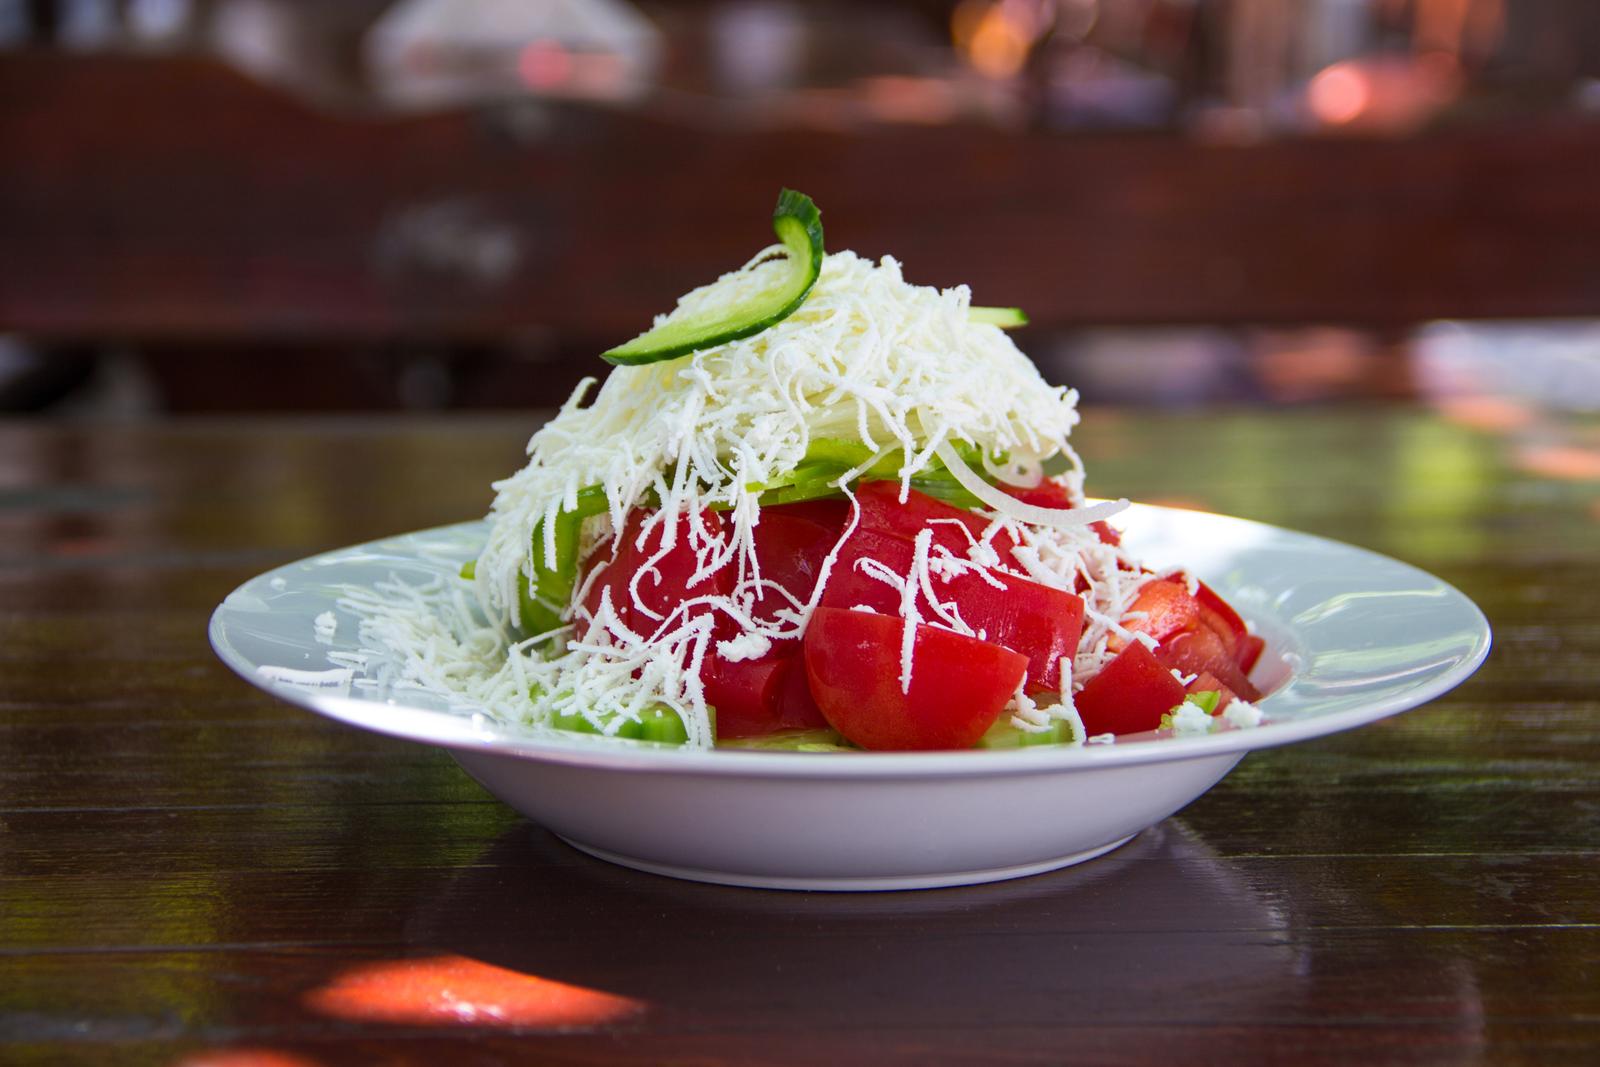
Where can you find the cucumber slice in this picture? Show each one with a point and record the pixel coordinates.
(1005, 318)
(543, 600)
(818, 740)
(798, 224)
(657, 723)
(1003, 735)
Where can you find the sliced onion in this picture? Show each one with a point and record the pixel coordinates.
(1021, 473)
(1013, 508)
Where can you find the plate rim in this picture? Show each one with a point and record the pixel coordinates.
(458, 731)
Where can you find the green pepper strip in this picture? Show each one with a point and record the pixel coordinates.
(827, 458)
(545, 596)
(657, 723)
(1004, 735)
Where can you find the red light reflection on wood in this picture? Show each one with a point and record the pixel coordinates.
(442, 990)
(246, 1057)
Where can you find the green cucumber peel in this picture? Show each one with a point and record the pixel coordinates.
(1005, 318)
(657, 723)
(1003, 734)
(817, 740)
(543, 599)
(827, 458)
(798, 224)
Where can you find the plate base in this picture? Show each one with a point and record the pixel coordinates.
(849, 885)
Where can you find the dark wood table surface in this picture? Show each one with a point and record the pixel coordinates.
(194, 873)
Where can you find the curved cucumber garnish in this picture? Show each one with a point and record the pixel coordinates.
(1005, 318)
(798, 225)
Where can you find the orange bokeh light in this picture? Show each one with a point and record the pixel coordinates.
(455, 990)
(1339, 94)
(1573, 463)
(997, 35)
(1492, 413)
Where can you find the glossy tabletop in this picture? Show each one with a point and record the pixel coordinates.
(193, 873)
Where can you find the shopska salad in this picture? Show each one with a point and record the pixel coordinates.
(818, 507)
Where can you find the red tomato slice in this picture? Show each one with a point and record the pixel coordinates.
(1041, 623)
(1168, 607)
(1206, 682)
(959, 685)
(882, 511)
(797, 709)
(790, 548)
(758, 697)
(663, 588)
(1198, 633)
(1201, 651)
(761, 696)
(832, 513)
(746, 693)
(1052, 494)
(1249, 652)
(1049, 493)
(849, 585)
(1129, 695)
(1107, 533)
(1220, 615)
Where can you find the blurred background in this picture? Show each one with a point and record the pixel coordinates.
(270, 206)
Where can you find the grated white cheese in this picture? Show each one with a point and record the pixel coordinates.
(868, 357)
(1189, 720)
(746, 646)
(1242, 714)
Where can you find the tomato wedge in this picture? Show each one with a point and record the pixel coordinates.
(828, 512)
(1201, 651)
(790, 548)
(1041, 623)
(1220, 616)
(1050, 493)
(882, 511)
(1197, 633)
(661, 589)
(758, 697)
(959, 685)
(745, 693)
(1168, 610)
(761, 696)
(1206, 682)
(1129, 695)
(1249, 652)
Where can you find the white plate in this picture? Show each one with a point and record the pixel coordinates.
(1352, 637)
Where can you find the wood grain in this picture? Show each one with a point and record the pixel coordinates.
(188, 867)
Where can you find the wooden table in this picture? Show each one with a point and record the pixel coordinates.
(191, 872)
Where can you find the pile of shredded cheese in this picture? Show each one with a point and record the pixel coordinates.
(867, 357)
